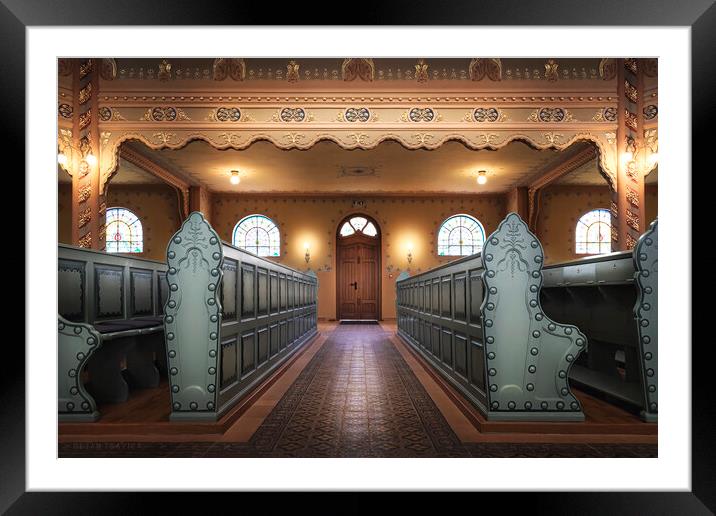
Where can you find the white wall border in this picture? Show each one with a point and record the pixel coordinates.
(672, 470)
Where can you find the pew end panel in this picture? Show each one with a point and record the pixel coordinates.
(646, 313)
(528, 354)
(192, 318)
(77, 342)
(231, 319)
(477, 320)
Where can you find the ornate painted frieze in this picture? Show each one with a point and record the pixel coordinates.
(292, 71)
(361, 114)
(363, 69)
(108, 69)
(165, 70)
(487, 115)
(421, 71)
(608, 114)
(164, 114)
(551, 115)
(229, 67)
(607, 68)
(480, 68)
(290, 115)
(420, 115)
(550, 70)
(107, 114)
(225, 114)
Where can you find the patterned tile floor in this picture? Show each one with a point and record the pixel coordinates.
(357, 397)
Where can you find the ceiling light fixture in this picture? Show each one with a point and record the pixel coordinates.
(235, 180)
(481, 177)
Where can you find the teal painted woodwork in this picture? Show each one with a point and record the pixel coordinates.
(231, 319)
(646, 313)
(528, 354)
(479, 322)
(76, 343)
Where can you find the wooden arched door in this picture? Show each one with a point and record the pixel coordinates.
(358, 269)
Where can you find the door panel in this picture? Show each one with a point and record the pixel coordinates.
(358, 279)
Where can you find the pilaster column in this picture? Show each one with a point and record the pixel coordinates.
(628, 212)
(88, 206)
(200, 200)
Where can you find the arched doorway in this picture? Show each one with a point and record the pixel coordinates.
(358, 249)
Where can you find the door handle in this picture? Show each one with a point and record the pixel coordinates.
(354, 285)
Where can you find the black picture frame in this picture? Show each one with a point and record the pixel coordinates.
(700, 15)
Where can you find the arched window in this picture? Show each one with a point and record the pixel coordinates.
(358, 224)
(460, 235)
(594, 233)
(124, 232)
(259, 235)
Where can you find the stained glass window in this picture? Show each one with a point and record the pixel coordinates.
(594, 233)
(259, 235)
(460, 235)
(358, 225)
(124, 232)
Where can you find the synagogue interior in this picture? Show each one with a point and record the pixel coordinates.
(357, 257)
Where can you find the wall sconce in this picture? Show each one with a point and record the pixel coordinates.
(64, 157)
(308, 252)
(481, 177)
(410, 253)
(235, 180)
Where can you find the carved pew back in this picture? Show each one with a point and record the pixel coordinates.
(479, 322)
(95, 286)
(231, 319)
(95, 289)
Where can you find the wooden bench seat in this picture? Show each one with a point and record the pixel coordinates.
(110, 315)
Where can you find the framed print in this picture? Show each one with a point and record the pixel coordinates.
(426, 254)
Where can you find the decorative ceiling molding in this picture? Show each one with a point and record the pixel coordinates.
(367, 138)
(146, 164)
(553, 173)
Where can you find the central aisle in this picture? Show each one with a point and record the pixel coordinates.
(357, 397)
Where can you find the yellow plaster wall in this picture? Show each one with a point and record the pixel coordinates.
(314, 220)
